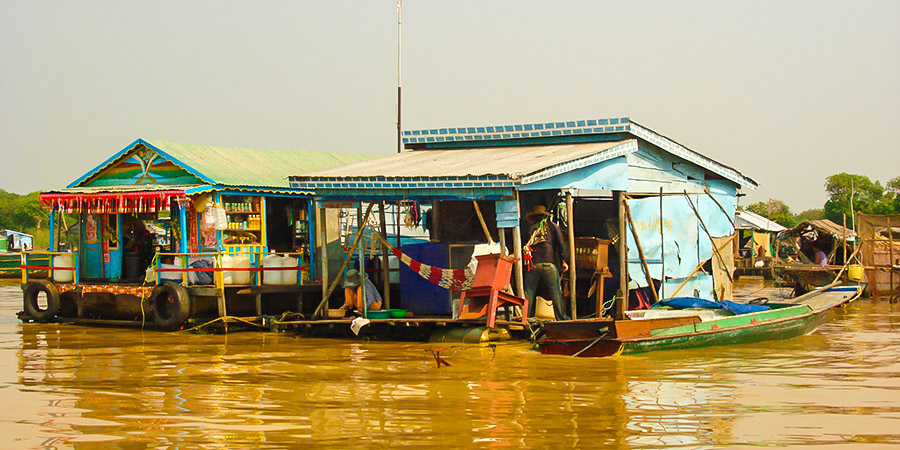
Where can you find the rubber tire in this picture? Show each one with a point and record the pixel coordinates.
(30, 300)
(174, 316)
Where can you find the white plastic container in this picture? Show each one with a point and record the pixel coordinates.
(289, 277)
(63, 276)
(171, 276)
(271, 276)
(228, 263)
(241, 276)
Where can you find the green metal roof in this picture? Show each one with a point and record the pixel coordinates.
(251, 167)
(228, 166)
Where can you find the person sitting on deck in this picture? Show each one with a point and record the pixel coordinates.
(353, 293)
(820, 257)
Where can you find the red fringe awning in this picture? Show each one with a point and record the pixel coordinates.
(111, 202)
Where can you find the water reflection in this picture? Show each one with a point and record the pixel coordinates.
(81, 387)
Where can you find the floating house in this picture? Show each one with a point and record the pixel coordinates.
(159, 223)
(11, 241)
(646, 216)
(754, 247)
(795, 253)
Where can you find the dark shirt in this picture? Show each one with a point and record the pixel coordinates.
(552, 245)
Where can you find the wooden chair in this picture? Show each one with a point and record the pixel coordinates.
(486, 294)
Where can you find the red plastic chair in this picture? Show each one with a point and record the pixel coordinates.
(486, 294)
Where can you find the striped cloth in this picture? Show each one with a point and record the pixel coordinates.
(452, 279)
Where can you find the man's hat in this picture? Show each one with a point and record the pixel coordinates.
(538, 210)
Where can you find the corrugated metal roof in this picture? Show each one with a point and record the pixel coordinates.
(252, 167)
(747, 219)
(234, 166)
(486, 136)
(512, 162)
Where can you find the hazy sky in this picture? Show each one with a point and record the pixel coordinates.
(786, 92)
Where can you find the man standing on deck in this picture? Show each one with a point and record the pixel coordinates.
(546, 248)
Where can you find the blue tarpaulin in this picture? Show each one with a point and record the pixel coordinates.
(686, 243)
(693, 302)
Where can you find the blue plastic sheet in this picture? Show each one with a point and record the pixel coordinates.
(693, 302)
(686, 243)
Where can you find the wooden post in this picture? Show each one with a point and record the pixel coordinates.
(385, 259)
(327, 293)
(891, 260)
(662, 248)
(623, 259)
(487, 234)
(517, 252)
(361, 257)
(571, 224)
(711, 240)
(637, 240)
(844, 238)
(322, 221)
(502, 237)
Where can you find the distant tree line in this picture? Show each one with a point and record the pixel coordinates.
(843, 190)
(22, 213)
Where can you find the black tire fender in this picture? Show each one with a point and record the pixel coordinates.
(170, 305)
(30, 300)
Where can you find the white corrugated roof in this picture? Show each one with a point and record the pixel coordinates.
(747, 219)
(513, 162)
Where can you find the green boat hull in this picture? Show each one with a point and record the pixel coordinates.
(777, 330)
(783, 321)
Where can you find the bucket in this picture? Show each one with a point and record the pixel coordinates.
(855, 272)
(171, 276)
(228, 275)
(289, 277)
(131, 265)
(63, 276)
(241, 276)
(272, 276)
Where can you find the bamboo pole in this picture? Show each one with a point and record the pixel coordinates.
(623, 259)
(321, 221)
(484, 227)
(344, 264)
(570, 218)
(891, 256)
(711, 240)
(385, 259)
(517, 252)
(844, 238)
(662, 248)
(640, 248)
(720, 207)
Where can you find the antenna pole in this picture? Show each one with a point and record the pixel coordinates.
(399, 54)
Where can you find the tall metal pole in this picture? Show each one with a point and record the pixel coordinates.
(399, 78)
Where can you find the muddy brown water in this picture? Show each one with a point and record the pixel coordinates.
(67, 386)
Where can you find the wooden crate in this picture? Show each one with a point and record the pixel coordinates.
(591, 253)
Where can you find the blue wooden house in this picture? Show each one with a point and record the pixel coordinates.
(603, 180)
(165, 206)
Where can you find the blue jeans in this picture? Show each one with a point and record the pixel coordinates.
(547, 273)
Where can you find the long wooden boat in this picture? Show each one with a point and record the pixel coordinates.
(687, 328)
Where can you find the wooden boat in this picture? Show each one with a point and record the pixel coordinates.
(687, 328)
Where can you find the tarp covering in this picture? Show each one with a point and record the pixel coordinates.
(687, 245)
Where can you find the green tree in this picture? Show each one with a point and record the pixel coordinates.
(774, 210)
(810, 214)
(841, 188)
